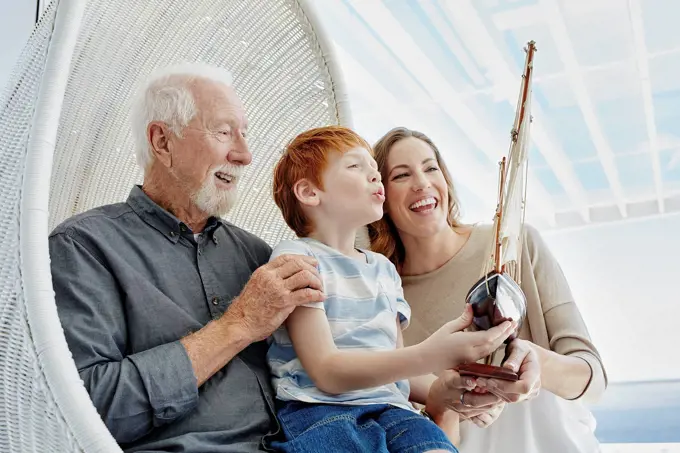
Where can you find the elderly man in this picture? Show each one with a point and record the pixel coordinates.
(162, 302)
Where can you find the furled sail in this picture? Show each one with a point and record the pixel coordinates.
(509, 218)
(497, 295)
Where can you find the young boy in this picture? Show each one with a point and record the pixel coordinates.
(339, 367)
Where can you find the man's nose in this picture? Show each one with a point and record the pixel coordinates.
(240, 153)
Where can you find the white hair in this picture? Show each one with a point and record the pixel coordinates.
(166, 96)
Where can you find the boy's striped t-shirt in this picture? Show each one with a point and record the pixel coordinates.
(363, 300)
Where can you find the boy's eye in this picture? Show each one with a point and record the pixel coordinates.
(353, 166)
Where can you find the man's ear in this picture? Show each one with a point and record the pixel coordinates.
(306, 192)
(158, 134)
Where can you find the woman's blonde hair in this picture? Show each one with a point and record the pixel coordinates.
(383, 234)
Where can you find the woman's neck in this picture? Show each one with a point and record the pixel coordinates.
(426, 254)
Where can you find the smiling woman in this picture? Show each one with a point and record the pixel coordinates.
(439, 260)
(428, 157)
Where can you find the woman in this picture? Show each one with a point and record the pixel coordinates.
(440, 259)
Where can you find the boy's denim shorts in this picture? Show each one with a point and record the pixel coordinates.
(372, 428)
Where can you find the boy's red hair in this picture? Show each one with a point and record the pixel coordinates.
(306, 157)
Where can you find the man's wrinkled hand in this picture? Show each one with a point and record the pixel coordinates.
(274, 291)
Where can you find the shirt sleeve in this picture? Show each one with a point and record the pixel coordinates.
(133, 392)
(297, 247)
(567, 331)
(403, 308)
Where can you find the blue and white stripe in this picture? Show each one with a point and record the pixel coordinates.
(362, 303)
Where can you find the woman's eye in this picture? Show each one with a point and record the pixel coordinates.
(432, 169)
(400, 176)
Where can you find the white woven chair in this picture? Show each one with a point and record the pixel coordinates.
(65, 147)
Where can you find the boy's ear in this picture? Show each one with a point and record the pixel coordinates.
(306, 192)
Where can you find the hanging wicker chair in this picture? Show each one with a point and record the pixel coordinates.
(66, 147)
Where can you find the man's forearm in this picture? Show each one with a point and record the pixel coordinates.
(212, 347)
(344, 371)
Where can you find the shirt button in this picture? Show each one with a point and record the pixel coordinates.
(172, 234)
(215, 301)
(183, 228)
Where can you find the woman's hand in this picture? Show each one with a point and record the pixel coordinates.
(520, 357)
(451, 391)
(485, 419)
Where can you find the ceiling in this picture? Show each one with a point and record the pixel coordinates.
(606, 98)
(605, 140)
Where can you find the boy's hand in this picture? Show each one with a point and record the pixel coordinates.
(448, 347)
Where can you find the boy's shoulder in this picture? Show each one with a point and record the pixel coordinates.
(292, 247)
(382, 261)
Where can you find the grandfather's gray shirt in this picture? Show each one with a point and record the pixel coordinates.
(130, 281)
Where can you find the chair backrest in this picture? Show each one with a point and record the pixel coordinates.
(66, 146)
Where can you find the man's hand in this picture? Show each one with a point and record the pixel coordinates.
(273, 292)
(520, 355)
(449, 346)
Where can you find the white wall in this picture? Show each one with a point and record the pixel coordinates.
(626, 279)
(17, 18)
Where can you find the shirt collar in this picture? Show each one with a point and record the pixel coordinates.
(160, 219)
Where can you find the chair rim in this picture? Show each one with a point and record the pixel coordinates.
(54, 358)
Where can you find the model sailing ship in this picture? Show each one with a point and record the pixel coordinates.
(497, 296)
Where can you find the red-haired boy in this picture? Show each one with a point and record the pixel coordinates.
(340, 371)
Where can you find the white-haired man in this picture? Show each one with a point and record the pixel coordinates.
(165, 305)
